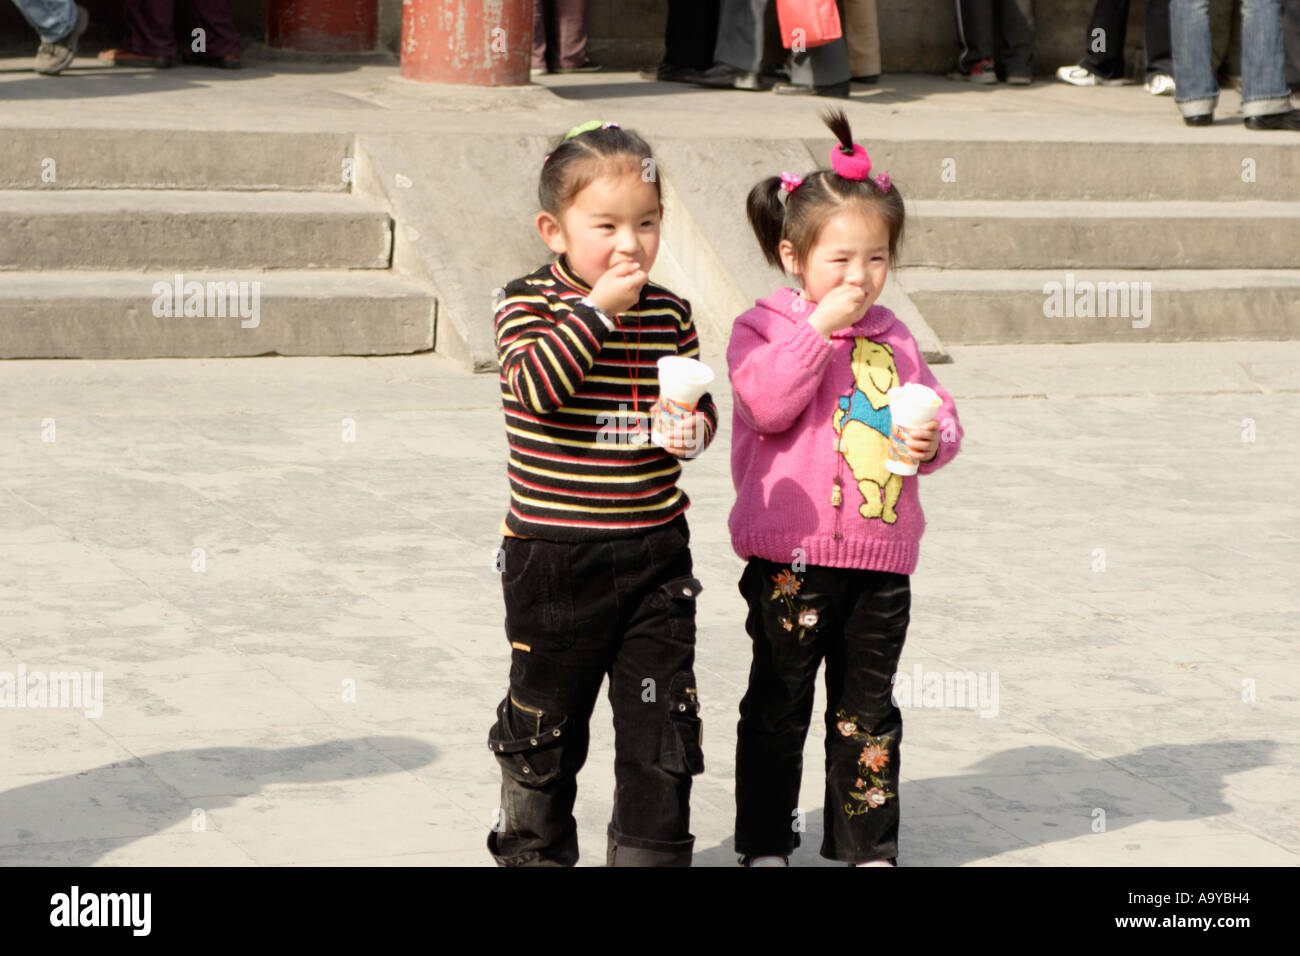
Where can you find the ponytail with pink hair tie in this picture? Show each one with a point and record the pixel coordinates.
(857, 166)
(851, 166)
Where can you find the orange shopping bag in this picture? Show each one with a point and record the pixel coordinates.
(807, 23)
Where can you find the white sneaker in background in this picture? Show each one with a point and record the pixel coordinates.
(1160, 84)
(1079, 76)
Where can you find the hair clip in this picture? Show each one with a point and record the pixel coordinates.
(883, 181)
(588, 126)
(790, 182)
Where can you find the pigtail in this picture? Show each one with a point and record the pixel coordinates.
(767, 217)
(839, 125)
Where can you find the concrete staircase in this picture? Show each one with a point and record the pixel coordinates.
(1092, 242)
(156, 242)
(196, 244)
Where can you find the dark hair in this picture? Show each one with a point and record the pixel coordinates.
(576, 163)
(821, 195)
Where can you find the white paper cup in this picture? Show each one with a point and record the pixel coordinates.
(909, 406)
(682, 381)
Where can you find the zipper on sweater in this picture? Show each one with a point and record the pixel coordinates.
(837, 492)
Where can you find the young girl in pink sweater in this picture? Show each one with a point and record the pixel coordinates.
(830, 535)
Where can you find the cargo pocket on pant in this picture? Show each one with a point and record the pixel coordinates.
(682, 750)
(528, 742)
(678, 597)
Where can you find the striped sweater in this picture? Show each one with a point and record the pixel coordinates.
(568, 379)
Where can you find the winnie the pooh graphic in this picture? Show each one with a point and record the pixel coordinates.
(862, 422)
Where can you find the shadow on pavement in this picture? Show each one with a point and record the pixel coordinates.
(1015, 799)
(100, 810)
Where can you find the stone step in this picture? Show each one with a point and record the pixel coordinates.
(1266, 167)
(1094, 235)
(190, 229)
(145, 158)
(130, 315)
(1031, 306)
(1217, 166)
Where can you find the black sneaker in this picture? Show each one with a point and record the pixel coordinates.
(1288, 120)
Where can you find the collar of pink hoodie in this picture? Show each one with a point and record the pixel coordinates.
(789, 303)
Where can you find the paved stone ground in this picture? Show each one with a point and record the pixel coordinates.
(1109, 545)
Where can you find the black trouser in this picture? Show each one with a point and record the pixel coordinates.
(860, 624)
(1291, 40)
(691, 33)
(975, 35)
(1105, 50)
(574, 614)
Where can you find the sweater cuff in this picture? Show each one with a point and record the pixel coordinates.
(810, 349)
(604, 316)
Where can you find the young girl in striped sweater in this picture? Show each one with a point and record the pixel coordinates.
(597, 574)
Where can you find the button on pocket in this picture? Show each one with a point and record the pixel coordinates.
(682, 750)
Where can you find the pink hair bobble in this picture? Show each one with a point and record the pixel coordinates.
(856, 166)
(790, 182)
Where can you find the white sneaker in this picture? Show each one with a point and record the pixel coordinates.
(1079, 76)
(1160, 84)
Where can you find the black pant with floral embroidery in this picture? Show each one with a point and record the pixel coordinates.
(576, 612)
(856, 620)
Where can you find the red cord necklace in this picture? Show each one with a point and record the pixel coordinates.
(638, 436)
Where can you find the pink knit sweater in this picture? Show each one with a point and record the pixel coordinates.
(788, 384)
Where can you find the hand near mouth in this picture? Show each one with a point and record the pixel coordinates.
(620, 287)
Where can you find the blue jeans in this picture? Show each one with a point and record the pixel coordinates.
(51, 19)
(1263, 81)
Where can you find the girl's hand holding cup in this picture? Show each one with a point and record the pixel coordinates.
(913, 432)
(619, 288)
(686, 438)
(923, 440)
(676, 427)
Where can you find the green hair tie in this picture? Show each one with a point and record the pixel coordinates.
(588, 127)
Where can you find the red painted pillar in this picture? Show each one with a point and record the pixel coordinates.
(477, 42)
(323, 26)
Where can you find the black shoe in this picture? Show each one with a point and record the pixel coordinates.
(1205, 119)
(667, 73)
(1288, 120)
(591, 66)
(726, 77)
(228, 62)
(840, 90)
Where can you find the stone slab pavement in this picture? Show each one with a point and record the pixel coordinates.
(301, 646)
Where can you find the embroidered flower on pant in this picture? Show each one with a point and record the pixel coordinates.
(870, 788)
(804, 617)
